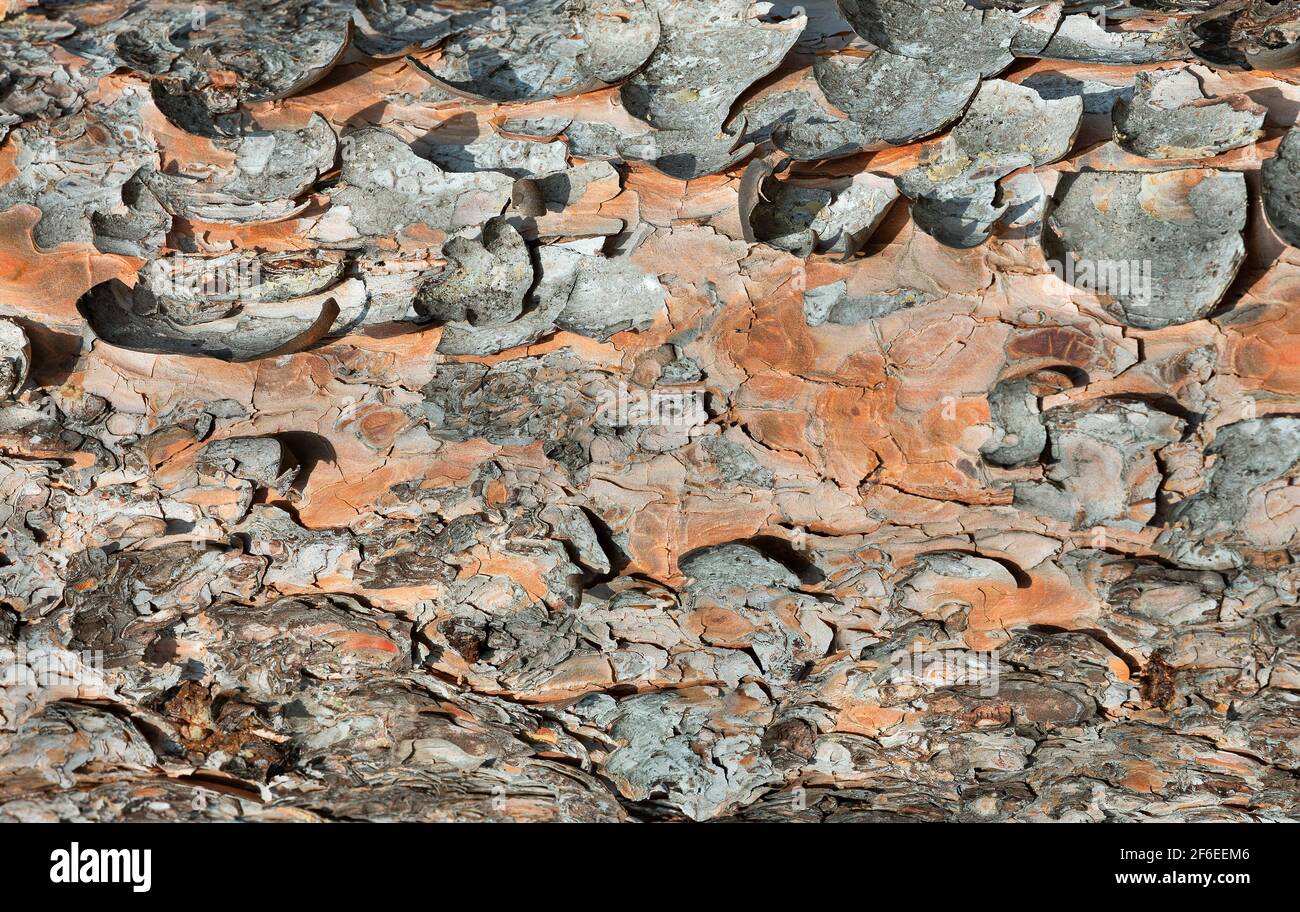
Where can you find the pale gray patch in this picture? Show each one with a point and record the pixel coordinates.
(661, 738)
(975, 39)
(577, 292)
(961, 214)
(955, 193)
(596, 140)
(1102, 463)
(833, 304)
(735, 565)
(306, 554)
(385, 187)
(736, 464)
(390, 28)
(541, 127)
(264, 461)
(1005, 119)
(854, 310)
(239, 337)
(1172, 117)
(785, 213)
(569, 523)
(138, 227)
(522, 50)
(835, 219)
(33, 84)
(162, 315)
(549, 397)
(274, 47)
(1098, 97)
(764, 115)
(816, 136)
(896, 99)
(855, 213)
(82, 736)
(485, 280)
(1248, 454)
(1018, 433)
(686, 155)
(1182, 229)
(818, 302)
(1007, 127)
(562, 189)
(682, 154)
(1026, 203)
(619, 36)
(1282, 188)
(558, 274)
(681, 370)
(1037, 25)
(709, 53)
(272, 169)
(69, 178)
(491, 152)
(1080, 37)
(610, 296)
(242, 276)
(15, 358)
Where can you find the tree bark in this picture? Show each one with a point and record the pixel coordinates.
(647, 411)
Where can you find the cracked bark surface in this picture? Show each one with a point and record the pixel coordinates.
(649, 410)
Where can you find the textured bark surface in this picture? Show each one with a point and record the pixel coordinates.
(649, 409)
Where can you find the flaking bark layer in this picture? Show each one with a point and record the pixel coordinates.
(620, 410)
